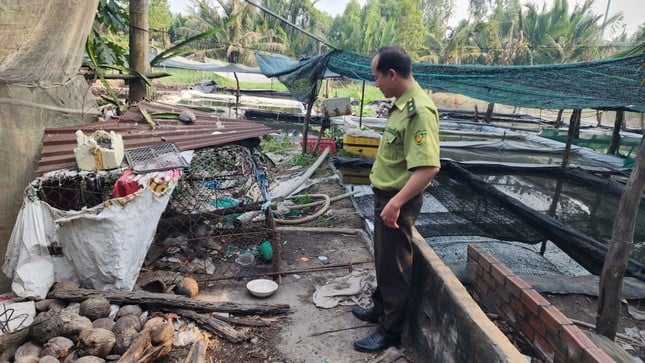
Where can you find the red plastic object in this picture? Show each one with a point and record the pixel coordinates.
(324, 142)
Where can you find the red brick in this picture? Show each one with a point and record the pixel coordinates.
(482, 286)
(477, 270)
(509, 313)
(553, 318)
(538, 325)
(504, 294)
(499, 272)
(533, 300)
(515, 285)
(473, 253)
(575, 340)
(485, 262)
(544, 347)
(595, 355)
(519, 308)
(572, 335)
(559, 347)
(526, 329)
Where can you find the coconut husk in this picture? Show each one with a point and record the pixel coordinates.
(98, 342)
(48, 359)
(49, 304)
(58, 347)
(129, 310)
(73, 327)
(104, 323)
(161, 330)
(89, 359)
(45, 326)
(29, 349)
(95, 308)
(187, 287)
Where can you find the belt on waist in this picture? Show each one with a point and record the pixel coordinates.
(385, 193)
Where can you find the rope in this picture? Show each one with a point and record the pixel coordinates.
(327, 203)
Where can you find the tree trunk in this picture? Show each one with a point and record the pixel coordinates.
(615, 136)
(622, 241)
(558, 120)
(574, 123)
(138, 48)
(489, 112)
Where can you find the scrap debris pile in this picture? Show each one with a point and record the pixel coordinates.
(78, 325)
(195, 218)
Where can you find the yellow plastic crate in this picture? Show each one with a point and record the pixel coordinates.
(360, 145)
(355, 176)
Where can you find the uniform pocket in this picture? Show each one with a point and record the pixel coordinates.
(392, 145)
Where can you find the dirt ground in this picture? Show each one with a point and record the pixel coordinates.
(307, 333)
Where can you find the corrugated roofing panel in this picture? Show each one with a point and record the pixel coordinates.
(208, 130)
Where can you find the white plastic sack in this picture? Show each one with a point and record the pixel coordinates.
(105, 245)
(27, 260)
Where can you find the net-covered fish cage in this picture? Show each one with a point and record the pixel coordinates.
(218, 212)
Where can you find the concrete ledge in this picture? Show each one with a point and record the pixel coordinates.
(445, 323)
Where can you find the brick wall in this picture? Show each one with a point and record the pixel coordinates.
(501, 292)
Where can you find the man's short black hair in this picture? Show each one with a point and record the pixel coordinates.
(396, 58)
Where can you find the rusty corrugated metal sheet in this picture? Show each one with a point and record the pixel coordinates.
(207, 130)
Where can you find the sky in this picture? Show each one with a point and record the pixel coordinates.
(633, 10)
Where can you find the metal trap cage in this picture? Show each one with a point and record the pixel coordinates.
(215, 215)
(155, 158)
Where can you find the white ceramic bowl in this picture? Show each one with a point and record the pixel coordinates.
(262, 287)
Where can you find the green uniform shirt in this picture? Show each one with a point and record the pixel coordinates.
(410, 140)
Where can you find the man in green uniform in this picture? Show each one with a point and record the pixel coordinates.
(406, 162)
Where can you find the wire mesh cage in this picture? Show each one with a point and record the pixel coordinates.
(155, 158)
(216, 214)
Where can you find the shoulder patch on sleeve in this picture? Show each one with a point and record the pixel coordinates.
(420, 137)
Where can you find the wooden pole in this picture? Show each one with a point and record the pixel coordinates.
(622, 241)
(305, 127)
(237, 96)
(615, 135)
(489, 112)
(138, 48)
(360, 118)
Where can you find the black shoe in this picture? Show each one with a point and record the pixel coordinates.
(369, 315)
(375, 342)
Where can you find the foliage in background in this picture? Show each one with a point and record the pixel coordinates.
(159, 22)
(276, 144)
(301, 159)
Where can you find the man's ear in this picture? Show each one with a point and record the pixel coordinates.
(391, 73)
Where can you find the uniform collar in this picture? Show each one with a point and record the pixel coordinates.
(405, 97)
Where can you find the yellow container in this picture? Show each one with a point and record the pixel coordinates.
(355, 176)
(361, 145)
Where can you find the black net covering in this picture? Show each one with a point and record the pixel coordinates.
(611, 84)
(515, 203)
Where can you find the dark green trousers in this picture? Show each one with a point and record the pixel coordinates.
(393, 262)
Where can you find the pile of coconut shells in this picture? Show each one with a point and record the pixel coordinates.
(95, 331)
